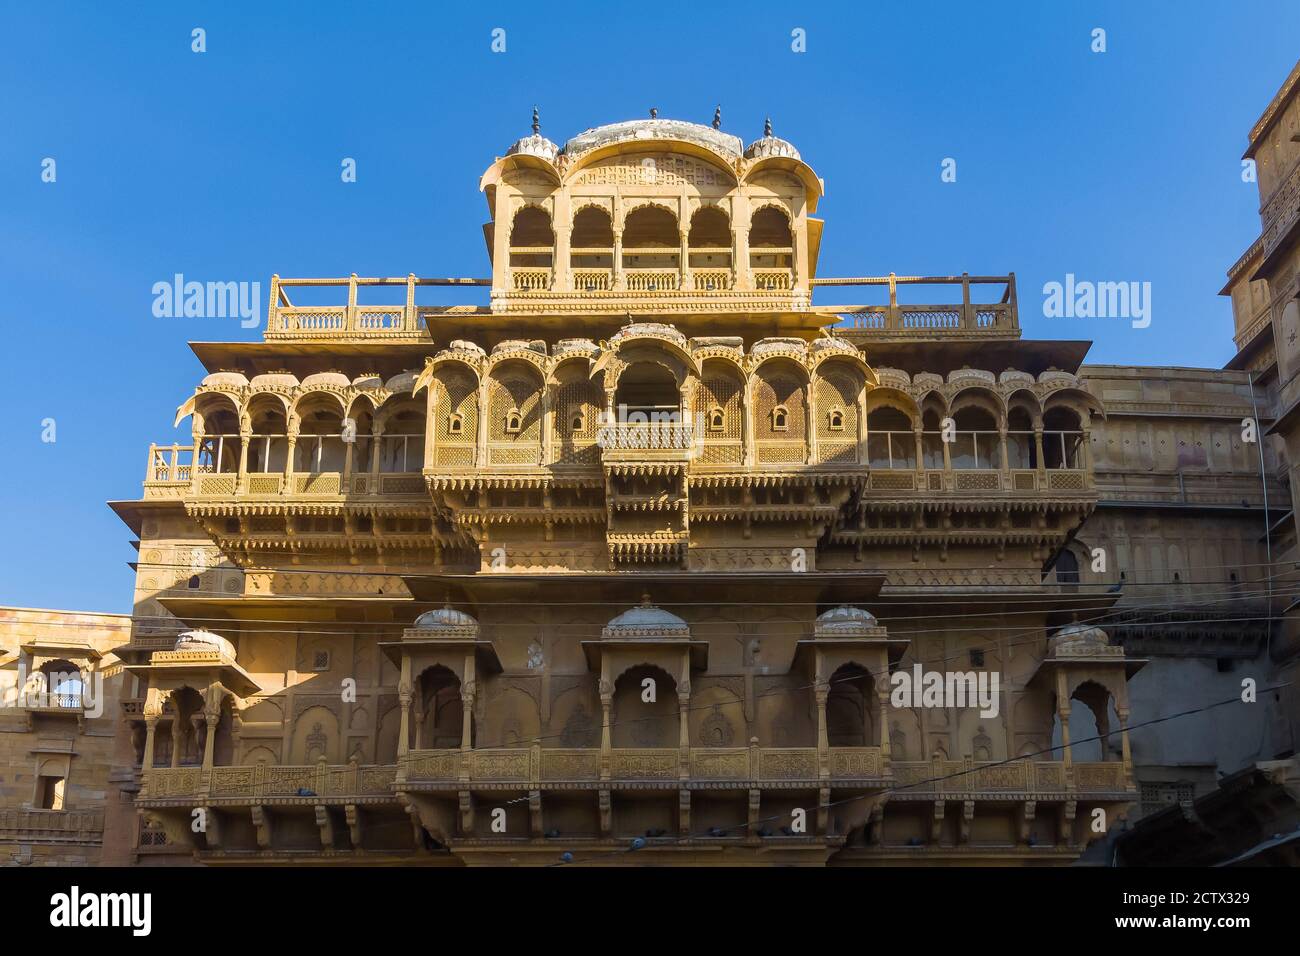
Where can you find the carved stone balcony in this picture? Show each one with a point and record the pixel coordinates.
(284, 785)
(51, 826)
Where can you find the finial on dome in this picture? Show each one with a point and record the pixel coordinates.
(717, 117)
(767, 126)
(537, 123)
(654, 113)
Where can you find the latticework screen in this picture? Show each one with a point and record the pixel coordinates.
(575, 403)
(454, 394)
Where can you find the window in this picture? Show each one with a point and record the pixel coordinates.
(514, 422)
(320, 661)
(455, 423)
(837, 419)
(578, 422)
(716, 420)
(780, 418)
(1067, 568)
(194, 582)
(49, 793)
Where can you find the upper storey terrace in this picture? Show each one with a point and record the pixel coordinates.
(655, 219)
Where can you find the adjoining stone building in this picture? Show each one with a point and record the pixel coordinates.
(629, 555)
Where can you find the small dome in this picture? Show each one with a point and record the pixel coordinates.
(326, 379)
(847, 616)
(444, 618)
(272, 379)
(723, 144)
(770, 145)
(204, 640)
(647, 620)
(224, 377)
(535, 145)
(402, 382)
(368, 380)
(1076, 638)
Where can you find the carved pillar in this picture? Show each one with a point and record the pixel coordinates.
(618, 259)
(810, 422)
(291, 442)
(1124, 746)
(210, 721)
(882, 701)
(740, 243)
(1038, 451)
(919, 433)
(480, 455)
(606, 741)
(684, 258)
(150, 734)
(467, 694)
(1085, 455)
(244, 435)
(748, 412)
(823, 693)
(1063, 714)
(562, 274)
(376, 443)
(176, 739)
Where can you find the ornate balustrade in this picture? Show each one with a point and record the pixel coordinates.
(52, 826)
(1016, 776)
(895, 319)
(264, 781)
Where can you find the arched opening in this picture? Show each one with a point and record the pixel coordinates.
(975, 444)
(771, 249)
(651, 250)
(532, 240)
(849, 707)
(1067, 568)
(647, 392)
(268, 444)
(709, 244)
(638, 720)
(1062, 439)
(932, 438)
(63, 684)
(440, 721)
(576, 403)
(1093, 724)
(187, 709)
(401, 448)
(219, 446)
(320, 447)
(890, 441)
(1022, 450)
(591, 249)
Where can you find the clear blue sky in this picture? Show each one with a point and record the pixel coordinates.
(225, 166)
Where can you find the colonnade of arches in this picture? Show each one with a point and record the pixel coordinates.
(651, 250)
(314, 434)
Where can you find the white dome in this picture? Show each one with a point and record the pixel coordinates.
(203, 640)
(269, 379)
(846, 621)
(770, 145)
(444, 618)
(712, 139)
(647, 620)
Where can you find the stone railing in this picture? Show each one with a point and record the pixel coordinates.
(539, 767)
(1016, 776)
(52, 826)
(351, 320)
(262, 781)
(965, 317)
